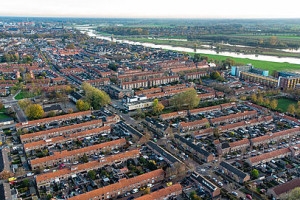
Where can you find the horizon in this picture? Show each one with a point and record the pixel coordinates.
(190, 9)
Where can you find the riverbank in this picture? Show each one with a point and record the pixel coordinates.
(219, 47)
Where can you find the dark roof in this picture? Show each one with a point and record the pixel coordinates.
(225, 145)
(52, 107)
(132, 130)
(233, 169)
(193, 146)
(286, 187)
(162, 152)
(76, 95)
(6, 120)
(204, 182)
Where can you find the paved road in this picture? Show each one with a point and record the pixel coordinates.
(19, 113)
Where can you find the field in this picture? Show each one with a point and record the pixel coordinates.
(267, 65)
(284, 103)
(2, 115)
(23, 95)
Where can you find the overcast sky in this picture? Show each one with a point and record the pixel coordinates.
(152, 8)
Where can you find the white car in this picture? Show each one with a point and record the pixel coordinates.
(46, 170)
(75, 163)
(235, 193)
(150, 185)
(134, 190)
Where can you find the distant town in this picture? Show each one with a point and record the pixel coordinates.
(85, 118)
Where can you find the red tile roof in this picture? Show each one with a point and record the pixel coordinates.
(161, 193)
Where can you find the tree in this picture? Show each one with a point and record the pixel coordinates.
(253, 97)
(34, 111)
(260, 99)
(84, 158)
(255, 173)
(70, 111)
(214, 75)
(291, 109)
(274, 104)
(92, 174)
(24, 103)
(70, 46)
(216, 132)
(95, 97)
(188, 98)
(157, 107)
(5, 174)
(147, 190)
(194, 196)
(294, 194)
(82, 106)
(267, 101)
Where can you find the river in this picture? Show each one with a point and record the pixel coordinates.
(291, 60)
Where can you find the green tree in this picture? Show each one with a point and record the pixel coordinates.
(215, 75)
(188, 98)
(24, 103)
(95, 97)
(92, 174)
(255, 173)
(294, 194)
(274, 104)
(34, 111)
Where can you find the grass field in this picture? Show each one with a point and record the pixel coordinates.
(284, 103)
(3, 116)
(23, 95)
(267, 65)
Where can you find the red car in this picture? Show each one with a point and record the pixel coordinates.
(248, 196)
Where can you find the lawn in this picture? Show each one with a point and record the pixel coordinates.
(267, 65)
(284, 103)
(3, 116)
(23, 95)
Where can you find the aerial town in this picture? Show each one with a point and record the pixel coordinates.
(85, 118)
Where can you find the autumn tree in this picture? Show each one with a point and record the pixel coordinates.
(1, 106)
(82, 106)
(294, 194)
(274, 104)
(253, 97)
(24, 103)
(34, 111)
(157, 107)
(5, 174)
(260, 99)
(291, 109)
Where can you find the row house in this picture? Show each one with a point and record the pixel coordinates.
(174, 87)
(174, 115)
(162, 194)
(274, 137)
(195, 75)
(58, 80)
(288, 118)
(210, 187)
(99, 82)
(197, 151)
(280, 153)
(66, 138)
(245, 90)
(189, 126)
(207, 96)
(166, 94)
(163, 80)
(183, 69)
(140, 76)
(123, 186)
(46, 179)
(135, 84)
(148, 91)
(282, 191)
(4, 92)
(205, 89)
(233, 172)
(49, 120)
(72, 71)
(71, 156)
(234, 117)
(46, 134)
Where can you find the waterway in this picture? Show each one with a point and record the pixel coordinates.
(93, 33)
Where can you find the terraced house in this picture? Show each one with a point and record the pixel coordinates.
(71, 156)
